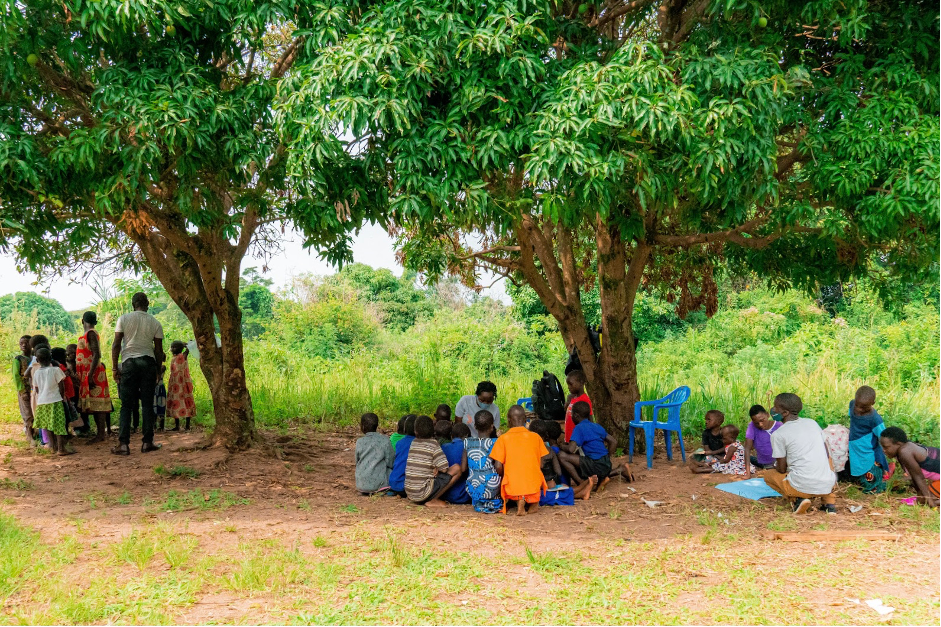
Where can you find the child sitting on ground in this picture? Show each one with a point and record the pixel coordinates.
(483, 482)
(427, 473)
(551, 469)
(732, 462)
(48, 387)
(374, 457)
(575, 381)
(443, 432)
(399, 430)
(593, 464)
(712, 444)
(517, 458)
(180, 403)
(867, 462)
(454, 451)
(397, 476)
(758, 438)
(443, 413)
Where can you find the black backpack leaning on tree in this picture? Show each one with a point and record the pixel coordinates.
(548, 397)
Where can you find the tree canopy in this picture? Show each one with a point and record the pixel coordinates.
(142, 134)
(568, 144)
(49, 313)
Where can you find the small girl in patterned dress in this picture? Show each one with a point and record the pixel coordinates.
(734, 462)
(180, 402)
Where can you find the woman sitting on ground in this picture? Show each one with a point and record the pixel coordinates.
(920, 462)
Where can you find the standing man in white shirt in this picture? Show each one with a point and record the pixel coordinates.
(802, 468)
(138, 341)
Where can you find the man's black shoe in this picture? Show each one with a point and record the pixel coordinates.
(147, 447)
(121, 449)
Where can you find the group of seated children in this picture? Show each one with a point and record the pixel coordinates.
(856, 454)
(436, 461)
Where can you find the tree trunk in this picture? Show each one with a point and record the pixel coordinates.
(189, 284)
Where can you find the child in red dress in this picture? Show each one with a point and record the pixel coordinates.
(180, 403)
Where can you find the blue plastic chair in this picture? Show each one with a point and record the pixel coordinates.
(527, 403)
(672, 403)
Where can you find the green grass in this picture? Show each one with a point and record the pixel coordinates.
(176, 471)
(393, 575)
(195, 500)
(18, 485)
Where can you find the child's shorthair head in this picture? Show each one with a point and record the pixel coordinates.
(424, 427)
(714, 418)
(176, 347)
(865, 395)
(44, 355)
(516, 416)
(369, 423)
(443, 430)
(400, 427)
(443, 412)
(755, 410)
(410, 425)
(483, 421)
(580, 411)
(554, 429)
(460, 431)
(540, 428)
(36, 341)
(729, 433)
(58, 354)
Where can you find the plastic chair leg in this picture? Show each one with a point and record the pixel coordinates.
(648, 435)
(679, 436)
(666, 438)
(630, 446)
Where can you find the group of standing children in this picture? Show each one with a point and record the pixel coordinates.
(60, 390)
(434, 461)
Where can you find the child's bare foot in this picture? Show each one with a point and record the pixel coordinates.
(533, 508)
(592, 482)
(521, 507)
(436, 503)
(603, 483)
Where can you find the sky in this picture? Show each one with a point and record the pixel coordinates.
(372, 246)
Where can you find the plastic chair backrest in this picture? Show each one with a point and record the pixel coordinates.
(679, 395)
(527, 403)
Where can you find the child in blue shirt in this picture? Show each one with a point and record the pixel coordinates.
(397, 476)
(454, 451)
(593, 463)
(867, 462)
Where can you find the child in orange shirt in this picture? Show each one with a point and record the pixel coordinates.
(517, 457)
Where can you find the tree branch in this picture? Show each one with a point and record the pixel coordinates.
(287, 59)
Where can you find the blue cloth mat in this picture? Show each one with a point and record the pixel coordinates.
(754, 489)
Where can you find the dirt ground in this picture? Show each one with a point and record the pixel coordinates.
(300, 485)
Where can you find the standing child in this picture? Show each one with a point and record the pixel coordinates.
(454, 451)
(483, 482)
(48, 387)
(180, 403)
(517, 458)
(397, 476)
(427, 473)
(160, 400)
(593, 464)
(23, 389)
(374, 457)
(758, 438)
(868, 464)
(576, 382)
(732, 462)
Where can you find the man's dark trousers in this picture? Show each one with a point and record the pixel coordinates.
(138, 382)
